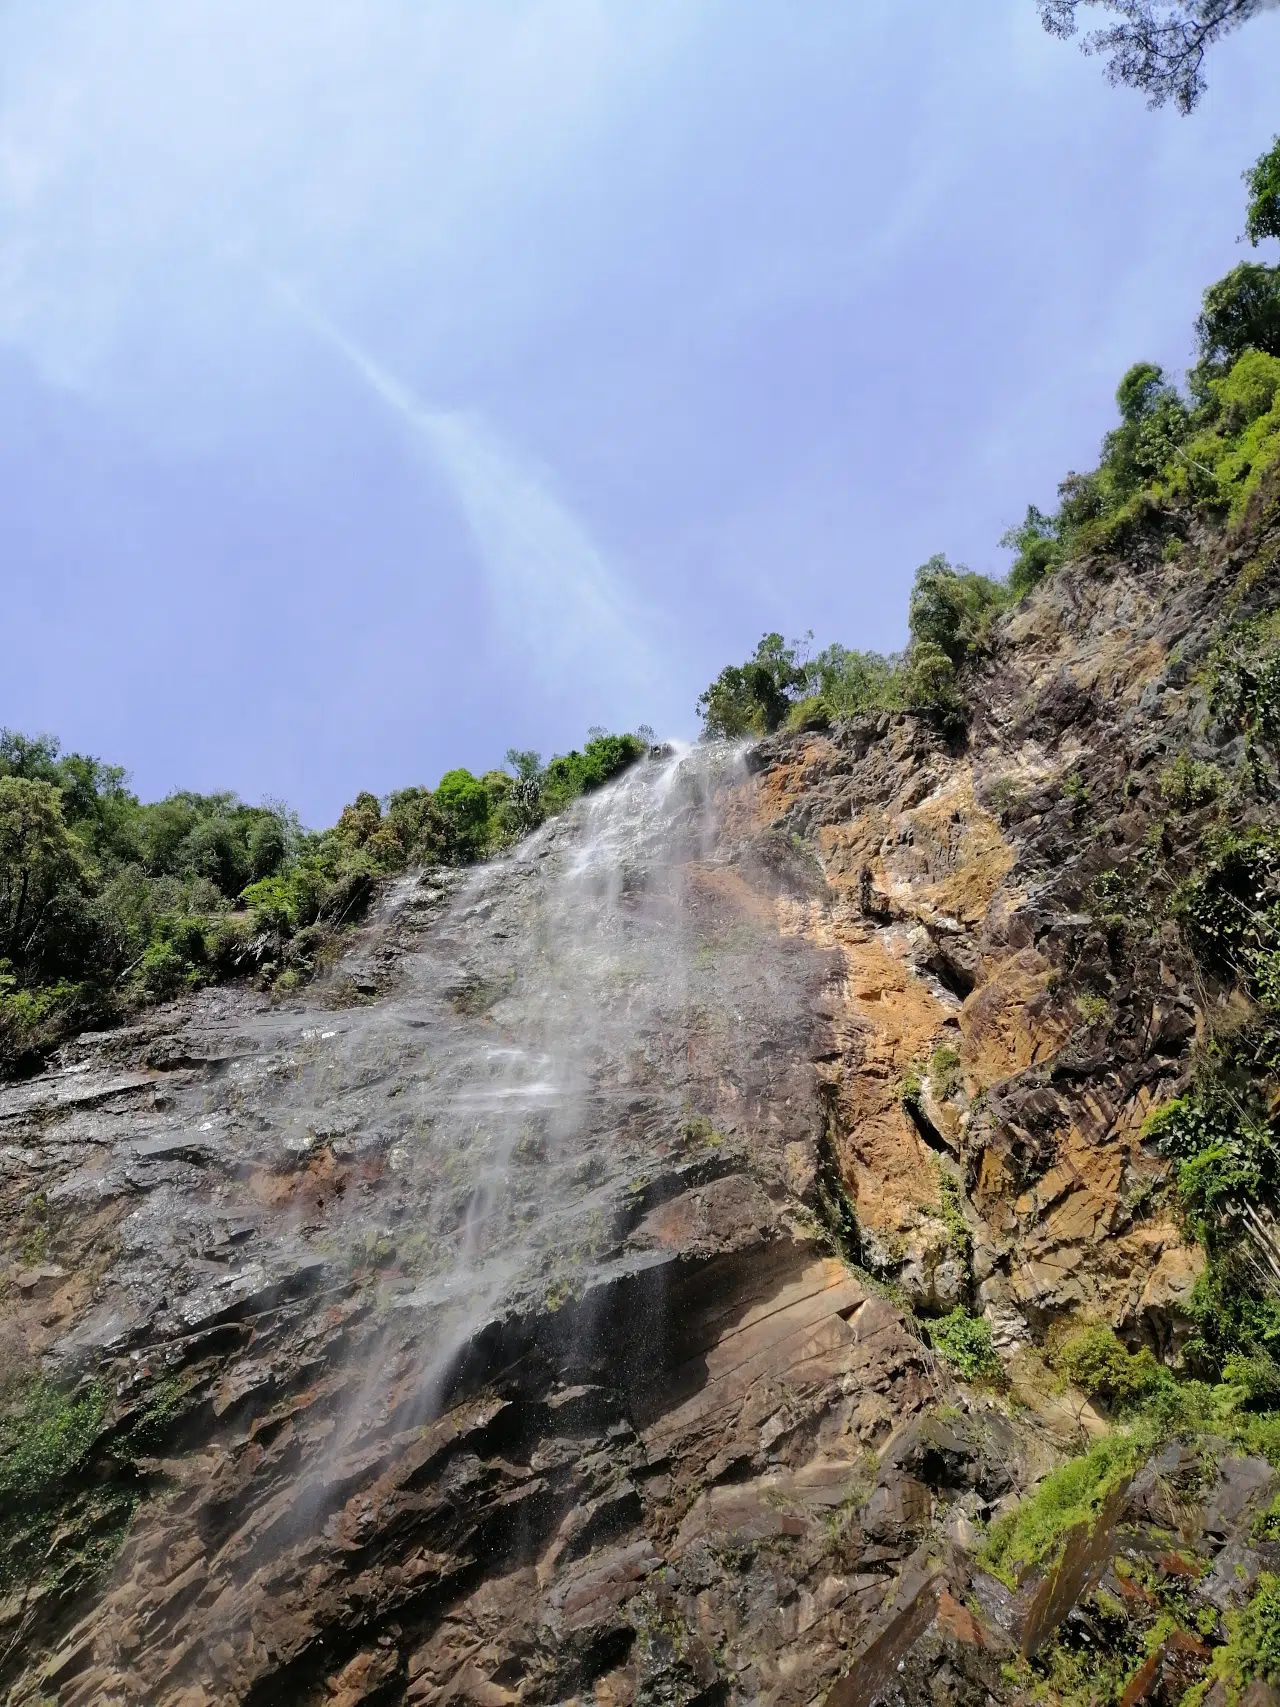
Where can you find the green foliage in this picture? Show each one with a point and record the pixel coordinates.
(754, 698)
(1233, 1317)
(1243, 677)
(1213, 449)
(1226, 1152)
(1240, 312)
(1252, 1647)
(1038, 548)
(1006, 795)
(603, 757)
(911, 1087)
(954, 610)
(1230, 904)
(844, 682)
(944, 1072)
(1093, 1359)
(46, 1438)
(274, 902)
(106, 901)
(1032, 1534)
(965, 1342)
(1255, 1376)
(1189, 783)
(1262, 216)
(464, 805)
(952, 617)
(40, 862)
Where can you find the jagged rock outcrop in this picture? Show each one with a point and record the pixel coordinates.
(482, 1326)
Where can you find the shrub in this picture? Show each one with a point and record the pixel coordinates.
(274, 904)
(1035, 540)
(45, 1440)
(944, 1072)
(1093, 1359)
(848, 681)
(163, 970)
(1231, 901)
(1243, 677)
(603, 757)
(1189, 783)
(966, 1344)
(1256, 1374)
(1225, 1150)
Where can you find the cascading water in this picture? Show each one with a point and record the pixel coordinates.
(426, 1288)
(523, 1075)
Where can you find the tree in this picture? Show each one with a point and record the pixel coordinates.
(1153, 422)
(1240, 312)
(1262, 216)
(753, 698)
(1157, 46)
(953, 609)
(33, 756)
(39, 858)
(1035, 539)
(463, 804)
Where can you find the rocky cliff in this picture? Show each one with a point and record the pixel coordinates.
(539, 1308)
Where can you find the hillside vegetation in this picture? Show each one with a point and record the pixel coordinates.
(107, 903)
(1174, 457)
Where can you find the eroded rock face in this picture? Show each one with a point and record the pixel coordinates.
(478, 1328)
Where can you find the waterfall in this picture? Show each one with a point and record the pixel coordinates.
(529, 1065)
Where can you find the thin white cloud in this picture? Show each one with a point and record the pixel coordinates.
(554, 594)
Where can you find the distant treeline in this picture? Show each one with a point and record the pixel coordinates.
(107, 902)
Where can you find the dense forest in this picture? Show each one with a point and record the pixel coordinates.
(107, 903)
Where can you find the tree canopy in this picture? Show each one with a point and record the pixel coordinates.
(1157, 46)
(1262, 216)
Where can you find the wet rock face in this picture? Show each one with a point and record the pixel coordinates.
(476, 1328)
(474, 1315)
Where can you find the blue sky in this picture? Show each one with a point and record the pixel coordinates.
(387, 382)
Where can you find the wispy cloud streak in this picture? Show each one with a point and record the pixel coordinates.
(553, 591)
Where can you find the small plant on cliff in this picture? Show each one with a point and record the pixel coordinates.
(965, 1342)
(1006, 795)
(950, 1201)
(1190, 783)
(1225, 1148)
(1252, 1647)
(944, 1072)
(1243, 678)
(1093, 1359)
(55, 1520)
(1032, 1534)
(1230, 904)
(911, 1089)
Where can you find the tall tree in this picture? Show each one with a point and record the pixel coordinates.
(1157, 46)
(1262, 216)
